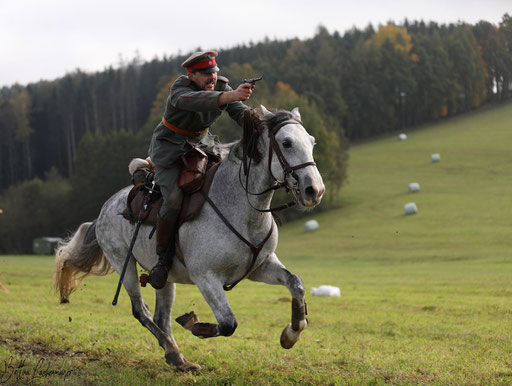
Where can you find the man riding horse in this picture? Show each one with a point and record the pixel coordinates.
(195, 101)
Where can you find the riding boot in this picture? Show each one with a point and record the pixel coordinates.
(165, 248)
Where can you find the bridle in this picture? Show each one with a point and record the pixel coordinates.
(287, 169)
(274, 146)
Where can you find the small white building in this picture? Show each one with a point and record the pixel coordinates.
(45, 245)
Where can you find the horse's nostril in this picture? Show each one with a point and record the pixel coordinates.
(310, 191)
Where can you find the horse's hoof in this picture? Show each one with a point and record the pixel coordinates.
(174, 358)
(205, 330)
(187, 320)
(289, 337)
(188, 366)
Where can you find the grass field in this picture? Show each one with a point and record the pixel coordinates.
(425, 298)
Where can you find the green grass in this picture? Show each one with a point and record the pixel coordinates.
(425, 298)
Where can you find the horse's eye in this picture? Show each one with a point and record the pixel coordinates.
(287, 143)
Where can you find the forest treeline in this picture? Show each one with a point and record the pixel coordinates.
(65, 144)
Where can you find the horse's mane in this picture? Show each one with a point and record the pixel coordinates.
(254, 124)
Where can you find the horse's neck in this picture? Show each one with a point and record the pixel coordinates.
(234, 183)
(258, 180)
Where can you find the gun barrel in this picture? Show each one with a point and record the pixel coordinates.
(253, 80)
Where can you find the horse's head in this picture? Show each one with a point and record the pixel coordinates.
(290, 152)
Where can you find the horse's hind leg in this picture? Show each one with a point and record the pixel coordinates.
(141, 312)
(274, 272)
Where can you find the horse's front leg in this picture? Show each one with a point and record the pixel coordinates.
(163, 306)
(274, 272)
(213, 293)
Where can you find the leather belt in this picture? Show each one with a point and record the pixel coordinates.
(186, 133)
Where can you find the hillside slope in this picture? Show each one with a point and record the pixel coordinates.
(464, 206)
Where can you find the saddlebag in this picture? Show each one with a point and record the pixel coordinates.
(193, 168)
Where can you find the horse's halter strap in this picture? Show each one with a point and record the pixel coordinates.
(279, 154)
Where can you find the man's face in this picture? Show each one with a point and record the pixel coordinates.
(204, 81)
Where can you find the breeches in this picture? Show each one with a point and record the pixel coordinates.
(172, 195)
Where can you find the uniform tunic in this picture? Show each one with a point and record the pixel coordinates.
(192, 109)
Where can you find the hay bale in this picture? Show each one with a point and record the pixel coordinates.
(402, 137)
(410, 208)
(311, 226)
(436, 157)
(414, 187)
(325, 290)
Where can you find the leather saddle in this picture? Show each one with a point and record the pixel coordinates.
(193, 199)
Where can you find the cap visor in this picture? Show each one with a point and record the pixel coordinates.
(208, 70)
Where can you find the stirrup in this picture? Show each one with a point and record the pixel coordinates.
(158, 276)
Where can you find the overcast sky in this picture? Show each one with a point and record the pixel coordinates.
(45, 39)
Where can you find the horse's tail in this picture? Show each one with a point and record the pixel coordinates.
(80, 253)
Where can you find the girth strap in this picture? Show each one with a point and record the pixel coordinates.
(255, 249)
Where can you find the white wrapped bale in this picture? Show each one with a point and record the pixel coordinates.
(311, 226)
(402, 137)
(414, 187)
(410, 208)
(436, 157)
(326, 290)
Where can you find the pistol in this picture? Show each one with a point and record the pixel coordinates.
(252, 81)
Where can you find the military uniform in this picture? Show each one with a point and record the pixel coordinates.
(189, 113)
(193, 110)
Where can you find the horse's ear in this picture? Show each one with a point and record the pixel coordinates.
(295, 112)
(266, 113)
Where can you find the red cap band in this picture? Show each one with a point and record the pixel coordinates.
(204, 64)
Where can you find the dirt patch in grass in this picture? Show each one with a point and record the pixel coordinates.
(40, 349)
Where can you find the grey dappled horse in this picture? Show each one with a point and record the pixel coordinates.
(277, 151)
